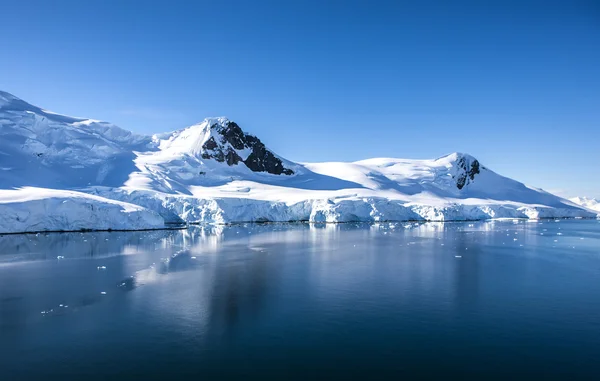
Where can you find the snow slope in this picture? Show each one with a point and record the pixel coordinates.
(214, 172)
(40, 148)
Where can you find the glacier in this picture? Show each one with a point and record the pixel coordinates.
(39, 209)
(62, 173)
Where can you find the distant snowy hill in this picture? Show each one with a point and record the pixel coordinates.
(214, 172)
(590, 203)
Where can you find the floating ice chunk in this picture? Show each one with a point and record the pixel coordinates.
(102, 292)
(60, 257)
(458, 256)
(101, 267)
(128, 283)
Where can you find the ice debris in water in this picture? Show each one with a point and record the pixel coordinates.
(51, 310)
(180, 261)
(458, 256)
(60, 257)
(101, 267)
(128, 283)
(102, 292)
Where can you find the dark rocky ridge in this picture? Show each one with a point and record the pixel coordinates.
(260, 158)
(467, 172)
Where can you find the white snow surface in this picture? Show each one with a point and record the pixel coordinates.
(590, 203)
(132, 178)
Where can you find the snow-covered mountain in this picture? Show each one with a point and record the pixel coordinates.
(214, 172)
(590, 203)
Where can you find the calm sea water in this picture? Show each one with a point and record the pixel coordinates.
(485, 300)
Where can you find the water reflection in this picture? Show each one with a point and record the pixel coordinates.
(246, 298)
(466, 280)
(242, 291)
(239, 271)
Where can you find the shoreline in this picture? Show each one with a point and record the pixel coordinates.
(185, 226)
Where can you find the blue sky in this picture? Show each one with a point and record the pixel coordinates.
(514, 83)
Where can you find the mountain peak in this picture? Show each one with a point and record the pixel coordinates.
(455, 156)
(465, 167)
(11, 102)
(224, 141)
(6, 97)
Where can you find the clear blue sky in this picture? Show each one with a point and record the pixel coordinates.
(514, 83)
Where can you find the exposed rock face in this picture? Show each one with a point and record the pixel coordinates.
(467, 169)
(232, 139)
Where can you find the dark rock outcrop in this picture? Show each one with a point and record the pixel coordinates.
(466, 171)
(232, 138)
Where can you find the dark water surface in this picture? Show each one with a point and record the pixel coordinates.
(485, 300)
